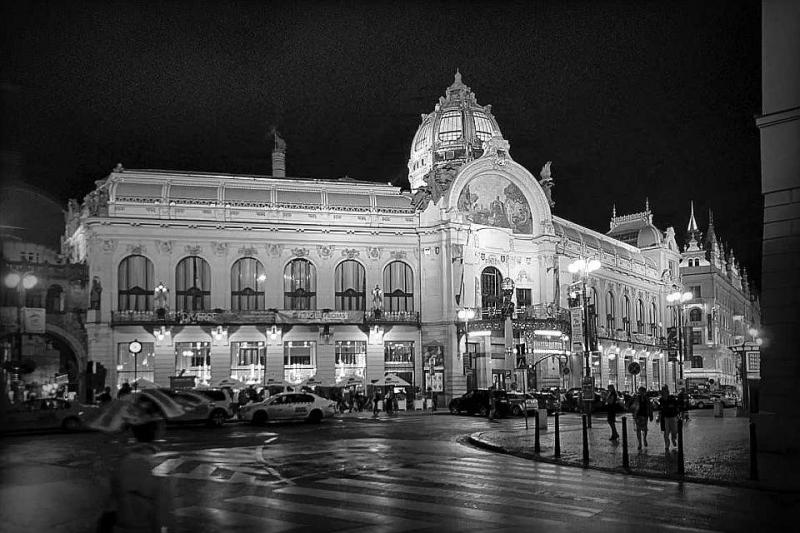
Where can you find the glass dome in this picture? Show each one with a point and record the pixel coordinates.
(453, 134)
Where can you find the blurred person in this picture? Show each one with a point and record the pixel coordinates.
(642, 413)
(105, 396)
(667, 417)
(124, 391)
(612, 404)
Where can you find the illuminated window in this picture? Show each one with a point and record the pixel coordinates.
(300, 285)
(350, 292)
(247, 285)
(131, 367)
(135, 282)
(193, 285)
(398, 287)
(194, 359)
(450, 126)
(299, 353)
(483, 126)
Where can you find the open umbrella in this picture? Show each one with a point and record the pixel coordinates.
(143, 383)
(147, 406)
(315, 382)
(272, 382)
(229, 382)
(350, 381)
(391, 380)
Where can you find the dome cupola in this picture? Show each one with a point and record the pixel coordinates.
(452, 134)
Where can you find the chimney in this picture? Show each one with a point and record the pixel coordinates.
(278, 156)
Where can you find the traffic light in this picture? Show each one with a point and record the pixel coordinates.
(521, 361)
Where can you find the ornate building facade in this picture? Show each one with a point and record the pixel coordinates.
(464, 282)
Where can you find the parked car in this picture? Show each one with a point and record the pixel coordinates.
(700, 401)
(221, 397)
(477, 401)
(728, 400)
(517, 399)
(288, 406)
(46, 413)
(199, 408)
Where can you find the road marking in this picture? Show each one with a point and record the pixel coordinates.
(245, 465)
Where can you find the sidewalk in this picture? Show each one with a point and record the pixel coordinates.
(716, 450)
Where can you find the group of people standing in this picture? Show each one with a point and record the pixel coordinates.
(640, 407)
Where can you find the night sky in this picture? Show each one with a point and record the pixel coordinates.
(628, 99)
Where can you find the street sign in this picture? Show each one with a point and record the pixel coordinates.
(587, 388)
(634, 368)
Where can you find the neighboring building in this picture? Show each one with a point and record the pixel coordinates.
(257, 277)
(720, 314)
(52, 312)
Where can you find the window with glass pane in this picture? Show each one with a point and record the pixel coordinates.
(653, 320)
(247, 285)
(639, 316)
(656, 374)
(423, 137)
(300, 285)
(613, 371)
(192, 285)
(483, 126)
(697, 361)
(610, 312)
(351, 286)
(398, 352)
(695, 315)
(131, 367)
(351, 359)
(248, 360)
(450, 126)
(491, 289)
(398, 287)
(697, 337)
(194, 358)
(642, 381)
(524, 297)
(628, 382)
(596, 368)
(300, 353)
(55, 299)
(626, 314)
(135, 282)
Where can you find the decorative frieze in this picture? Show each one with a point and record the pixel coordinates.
(133, 249)
(350, 253)
(247, 251)
(374, 253)
(274, 250)
(324, 251)
(300, 252)
(193, 250)
(164, 247)
(220, 248)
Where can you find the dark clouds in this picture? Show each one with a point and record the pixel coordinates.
(628, 99)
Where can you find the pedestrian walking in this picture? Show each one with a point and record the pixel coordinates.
(104, 396)
(376, 402)
(642, 414)
(124, 391)
(612, 405)
(492, 405)
(668, 417)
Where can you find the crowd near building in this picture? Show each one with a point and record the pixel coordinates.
(466, 281)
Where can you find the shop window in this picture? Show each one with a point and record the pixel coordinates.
(192, 285)
(300, 285)
(194, 359)
(131, 367)
(351, 359)
(613, 370)
(398, 352)
(398, 287)
(247, 285)
(299, 360)
(248, 361)
(350, 286)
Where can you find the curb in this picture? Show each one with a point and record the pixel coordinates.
(474, 440)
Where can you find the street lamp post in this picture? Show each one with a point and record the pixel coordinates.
(508, 311)
(22, 282)
(134, 347)
(584, 267)
(678, 299)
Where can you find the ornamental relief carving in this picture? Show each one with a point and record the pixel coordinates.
(398, 254)
(324, 251)
(274, 250)
(193, 250)
(300, 252)
(350, 253)
(374, 253)
(248, 251)
(220, 248)
(164, 247)
(109, 245)
(134, 249)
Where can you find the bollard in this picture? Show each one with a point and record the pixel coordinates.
(585, 442)
(680, 446)
(557, 446)
(625, 460)
(525, 412)
(753, 453)
(536, 446)
(589, 413)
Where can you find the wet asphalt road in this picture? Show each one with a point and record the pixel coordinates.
(406, 473)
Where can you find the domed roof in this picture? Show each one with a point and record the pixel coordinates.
(452, 134)
(636, 229)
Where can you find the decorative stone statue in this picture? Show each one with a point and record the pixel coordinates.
(95, 294)
(377, 298)
(547, 183)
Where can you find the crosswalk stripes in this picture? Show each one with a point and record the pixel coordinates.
(463, 492)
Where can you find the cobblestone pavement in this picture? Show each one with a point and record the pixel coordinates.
(715, 449)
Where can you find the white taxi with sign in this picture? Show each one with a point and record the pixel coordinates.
(288, 406)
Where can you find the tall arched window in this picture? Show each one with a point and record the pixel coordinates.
(135, 282)
(639, 316)
(626, 314)
(300, 285)
(54, 302)
(491, 289)
(351, 286)
(398, 287)
(610, 313)
(653, 319)
(695, 315)
(192, 284)
(247, 285)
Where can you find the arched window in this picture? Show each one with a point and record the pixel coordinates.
(192, 284)
(135, 282)
(351, 286)
(300, 285)
(610, 313)
(491, 290)
(398, 287)
(54, 302)
(653, 319)
(626, 314)
(247, 285)
(591, 297)
(697, 361)
(695, 315)
(639, 316)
